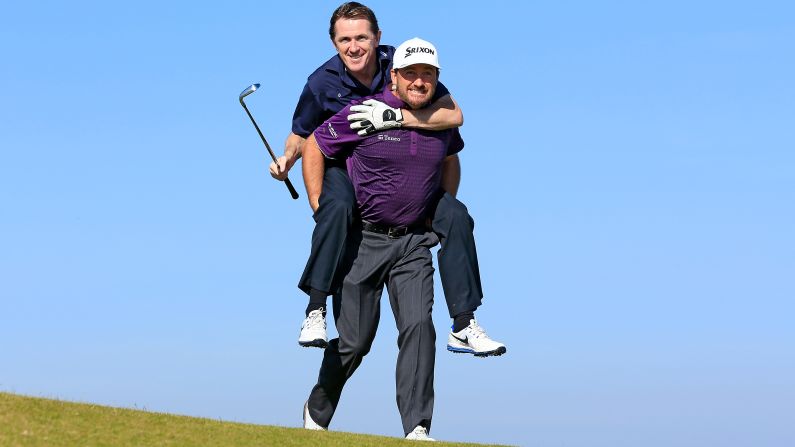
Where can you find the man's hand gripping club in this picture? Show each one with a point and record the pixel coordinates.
(292, 152)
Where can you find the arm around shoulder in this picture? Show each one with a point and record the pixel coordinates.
(442, 114)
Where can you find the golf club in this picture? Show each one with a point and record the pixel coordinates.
(249, 90)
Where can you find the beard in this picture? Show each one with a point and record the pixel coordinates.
(413, 101)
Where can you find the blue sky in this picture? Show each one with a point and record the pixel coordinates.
(630, 168)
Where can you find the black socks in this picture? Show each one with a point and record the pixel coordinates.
(317, 300)
(461, 320)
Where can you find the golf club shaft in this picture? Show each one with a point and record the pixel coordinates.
(287, 182)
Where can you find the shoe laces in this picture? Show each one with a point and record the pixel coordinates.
(315, 319)
(475, 330)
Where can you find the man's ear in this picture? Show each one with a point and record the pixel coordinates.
(378, 38)
(394, 78)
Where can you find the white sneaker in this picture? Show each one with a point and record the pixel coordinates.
(473, 340)
(313, 330)
(309, 424)
(419, 434)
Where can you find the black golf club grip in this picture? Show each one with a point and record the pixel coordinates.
(292, 190)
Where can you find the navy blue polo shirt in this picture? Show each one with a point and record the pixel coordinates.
(330, 88)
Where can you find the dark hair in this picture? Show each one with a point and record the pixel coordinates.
(353, 10)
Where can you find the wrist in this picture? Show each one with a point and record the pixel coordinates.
(406, 118)
(292, 155)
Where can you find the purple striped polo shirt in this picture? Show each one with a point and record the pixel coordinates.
(395, 173)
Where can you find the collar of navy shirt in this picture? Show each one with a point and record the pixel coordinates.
(385, 63)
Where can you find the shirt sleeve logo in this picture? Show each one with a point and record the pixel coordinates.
(332, 131)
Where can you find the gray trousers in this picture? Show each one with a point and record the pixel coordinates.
(404, 265)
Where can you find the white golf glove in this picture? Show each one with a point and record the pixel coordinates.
(372, 116)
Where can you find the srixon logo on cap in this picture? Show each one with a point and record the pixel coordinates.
(412, 50)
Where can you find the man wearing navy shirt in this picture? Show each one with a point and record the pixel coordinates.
(396, 175)
(361, 68)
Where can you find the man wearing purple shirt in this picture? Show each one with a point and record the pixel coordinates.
(396, 175)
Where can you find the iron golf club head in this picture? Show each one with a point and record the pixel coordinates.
(248, 90)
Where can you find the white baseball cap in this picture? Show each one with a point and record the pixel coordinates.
(415, 51)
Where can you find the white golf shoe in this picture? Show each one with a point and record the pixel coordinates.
(313, 330)
(419, 434)
(473, 340)
(309, 424)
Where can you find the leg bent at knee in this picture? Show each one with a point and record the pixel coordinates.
(452, 213)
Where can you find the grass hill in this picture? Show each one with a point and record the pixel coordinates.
(29, 421)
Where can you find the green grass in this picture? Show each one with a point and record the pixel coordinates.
(29, 421)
